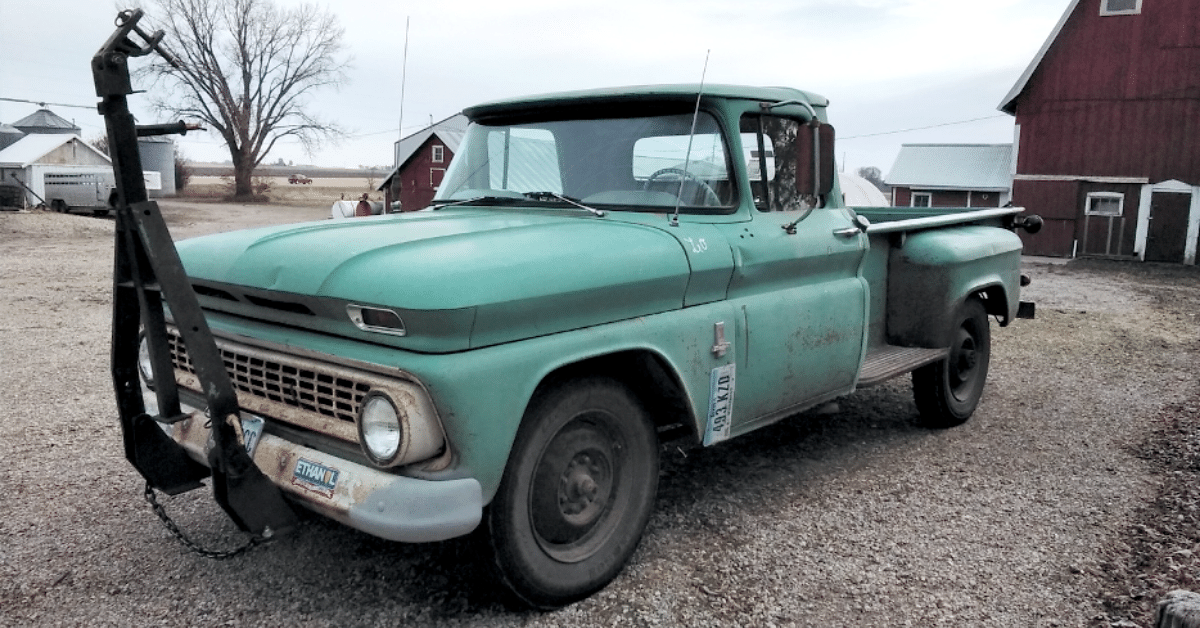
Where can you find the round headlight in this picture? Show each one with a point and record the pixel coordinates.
(144, 366)
(379, 428)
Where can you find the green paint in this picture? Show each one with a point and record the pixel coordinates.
(497, 295)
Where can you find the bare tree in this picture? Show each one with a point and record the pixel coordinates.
(100, 143)
(247, 70)
(183, 171)
(874, 176)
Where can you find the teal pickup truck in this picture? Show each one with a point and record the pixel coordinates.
(601, 272)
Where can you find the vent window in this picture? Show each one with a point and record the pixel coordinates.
(1120, 7)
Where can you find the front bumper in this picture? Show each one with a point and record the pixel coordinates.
(390, 506)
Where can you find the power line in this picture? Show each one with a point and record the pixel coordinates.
(923, 128)
(44, 103)
(410, 127)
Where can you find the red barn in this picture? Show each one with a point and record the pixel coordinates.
(421, 161)
(1108, 132)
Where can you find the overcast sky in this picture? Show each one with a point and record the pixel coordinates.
(885, 65)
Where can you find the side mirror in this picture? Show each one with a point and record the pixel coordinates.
(814, 159)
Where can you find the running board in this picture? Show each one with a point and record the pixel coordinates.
(886, 362)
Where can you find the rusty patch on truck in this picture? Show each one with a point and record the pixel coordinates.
(338, 428)
(317, 396)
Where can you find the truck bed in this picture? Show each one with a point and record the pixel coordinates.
(906, 256)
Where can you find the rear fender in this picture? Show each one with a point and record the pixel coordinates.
(931, 273)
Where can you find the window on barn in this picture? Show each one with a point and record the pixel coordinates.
(922, 199)
(1105, 204)
(439, 154)
(1120, 7)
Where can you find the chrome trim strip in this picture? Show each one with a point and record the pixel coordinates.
(354, 311)
(941, 221)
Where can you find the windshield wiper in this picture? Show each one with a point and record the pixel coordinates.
(477, 199)
(546, 196)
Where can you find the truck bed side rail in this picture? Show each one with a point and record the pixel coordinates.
(929, 222)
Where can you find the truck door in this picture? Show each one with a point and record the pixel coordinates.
(800, 295)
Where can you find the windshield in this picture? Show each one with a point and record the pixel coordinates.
(647, 163)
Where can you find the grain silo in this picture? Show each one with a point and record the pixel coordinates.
(9, 135)
(44, 121)
(158, 155)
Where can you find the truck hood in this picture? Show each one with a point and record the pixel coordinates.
(459, 278)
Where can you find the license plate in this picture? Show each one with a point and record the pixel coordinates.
(252, 427)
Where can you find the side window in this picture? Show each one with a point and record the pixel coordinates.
(706, 159)
(922, 199)
(692, 168)
(769, 143)
(523, 160)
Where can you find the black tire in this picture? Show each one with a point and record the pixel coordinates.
(947, 392)
(59, 206)
(576, 494)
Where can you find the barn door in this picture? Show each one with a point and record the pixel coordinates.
(1167, 239)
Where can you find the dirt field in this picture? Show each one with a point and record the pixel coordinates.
(322, 191)
(1067, 500)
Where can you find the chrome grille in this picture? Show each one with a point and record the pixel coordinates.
(280, 379)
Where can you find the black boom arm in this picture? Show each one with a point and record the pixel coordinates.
(147, 273)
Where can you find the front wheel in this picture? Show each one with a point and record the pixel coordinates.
(947, 392)
(576, 495)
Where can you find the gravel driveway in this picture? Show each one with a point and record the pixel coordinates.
(848, 517)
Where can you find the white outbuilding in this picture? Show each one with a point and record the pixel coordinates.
(858, 192)
(31, 161)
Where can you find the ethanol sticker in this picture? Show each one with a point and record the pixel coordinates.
(315, 477)
(720, 403)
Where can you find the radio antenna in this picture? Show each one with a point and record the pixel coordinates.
(687, 158)
(403, 80)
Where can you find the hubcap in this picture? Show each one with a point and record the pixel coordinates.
(578, 490)
(963, 364)
(573, 490)
(966, 359)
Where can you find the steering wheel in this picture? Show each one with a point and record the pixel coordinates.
(710, 196)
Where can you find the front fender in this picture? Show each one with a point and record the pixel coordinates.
(481, 395)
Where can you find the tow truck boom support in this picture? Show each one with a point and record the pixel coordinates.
(146, 273)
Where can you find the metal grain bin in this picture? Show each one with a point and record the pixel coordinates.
(158, 155)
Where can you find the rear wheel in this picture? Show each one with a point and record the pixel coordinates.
(58, 205)
(576, 495)
(947, 392)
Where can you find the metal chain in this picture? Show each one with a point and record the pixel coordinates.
(191, 545)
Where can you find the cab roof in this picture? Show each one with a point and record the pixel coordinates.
(637, 94)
